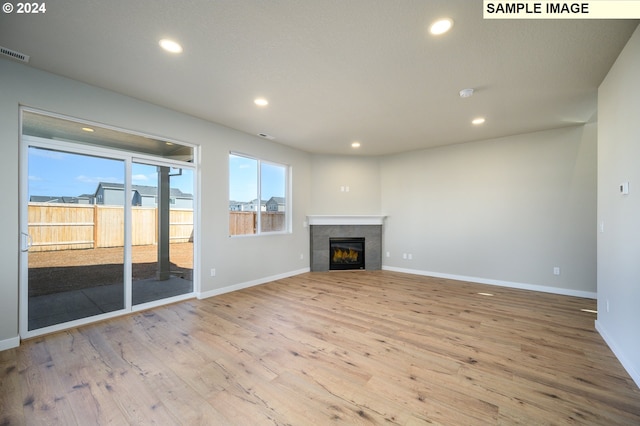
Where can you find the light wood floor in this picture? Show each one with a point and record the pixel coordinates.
(320, 348)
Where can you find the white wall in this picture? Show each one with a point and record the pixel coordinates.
(237, 260)
(331, 174)
(619, 243)
(503, 211)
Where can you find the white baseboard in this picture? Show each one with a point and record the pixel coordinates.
(241, 286)
(628, 365)
(14, 342)
(521, 286)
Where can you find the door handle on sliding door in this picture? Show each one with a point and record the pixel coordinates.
(29, 242)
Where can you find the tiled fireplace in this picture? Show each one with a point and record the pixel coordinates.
(327, 228)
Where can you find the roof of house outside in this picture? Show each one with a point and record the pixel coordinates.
(279, 200)
(58, 199)
(145, 190)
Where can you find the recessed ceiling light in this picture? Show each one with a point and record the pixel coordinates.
(261, 102)
(170, 46)
(478, 121)
(355, 145)
(441, 26)
(88, 129)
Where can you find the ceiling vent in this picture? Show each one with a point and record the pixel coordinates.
(266, 136)
(13, 54)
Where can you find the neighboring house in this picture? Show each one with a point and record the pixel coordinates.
(82, 199)
(141, 195)
(252, 206)
(247, 206)
(235, 206)
(276, 204)
(86, 199)
(112, 194)
(145, 196)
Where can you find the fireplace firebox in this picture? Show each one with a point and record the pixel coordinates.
(346, 253)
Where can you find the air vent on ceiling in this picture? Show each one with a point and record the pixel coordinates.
(266, 136)
(13, 54)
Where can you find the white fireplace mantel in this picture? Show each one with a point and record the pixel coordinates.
(346, 219)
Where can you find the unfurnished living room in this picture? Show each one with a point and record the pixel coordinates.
(294, 212)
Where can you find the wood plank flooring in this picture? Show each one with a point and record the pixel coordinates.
(366, 347)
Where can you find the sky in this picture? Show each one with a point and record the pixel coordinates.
(243, 179)
(56, 173)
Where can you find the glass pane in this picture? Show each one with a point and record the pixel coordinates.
(76, 259)
(273, 185)
(162, 232)
(243, 195)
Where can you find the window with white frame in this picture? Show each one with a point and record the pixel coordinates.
(258, 201)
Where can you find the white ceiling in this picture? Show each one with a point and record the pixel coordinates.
(334, 71)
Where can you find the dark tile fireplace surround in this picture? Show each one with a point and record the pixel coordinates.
(324, 228)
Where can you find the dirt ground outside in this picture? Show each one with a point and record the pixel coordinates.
(66, 270)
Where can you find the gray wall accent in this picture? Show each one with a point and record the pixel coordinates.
(320, 235)
(618, 215)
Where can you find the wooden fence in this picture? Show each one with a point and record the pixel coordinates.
(243, 223)
(81, 226)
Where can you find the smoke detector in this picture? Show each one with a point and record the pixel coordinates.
(466, 93)
(14, 54)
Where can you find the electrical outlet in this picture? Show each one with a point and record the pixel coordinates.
(404, 256)
(410, 256)
(556, 270)
(388, 254)
(213, 272)
(301, 256)
(607, 305)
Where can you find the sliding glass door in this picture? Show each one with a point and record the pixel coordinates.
(162, 232)
(104, 230)
(74, 247)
